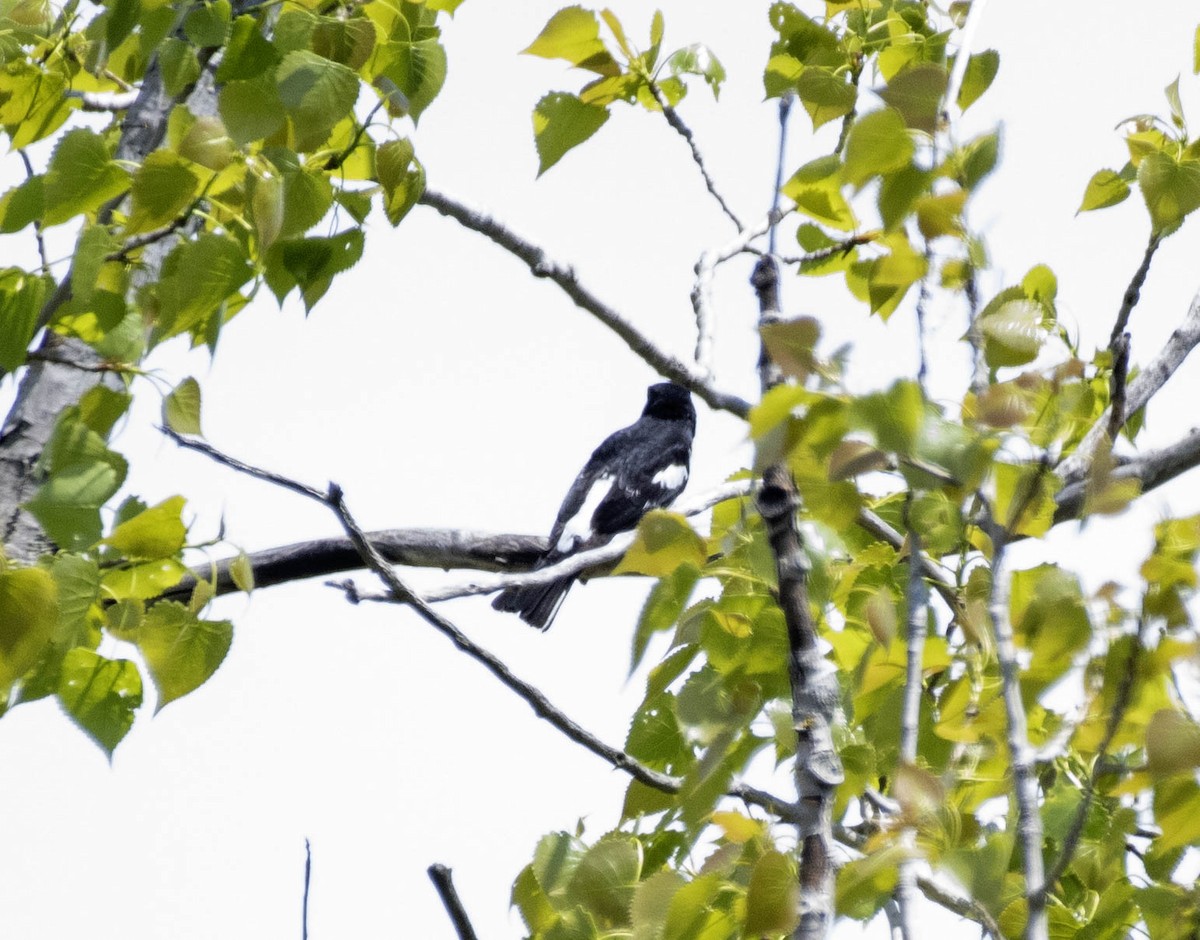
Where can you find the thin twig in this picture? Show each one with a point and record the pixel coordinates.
(1120, 373)
(1138, 393)
(338, 159)
(706, 268)
(307, 882)
(37, 223)
(1133, 292)
(443, 881)
(541, 265)
(678, 125)
(1121, 701)
(822, 254)
(785, 109)
(136, 242)
(852, 115)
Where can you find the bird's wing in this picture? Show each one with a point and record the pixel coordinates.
(574, 521)
(650, 473)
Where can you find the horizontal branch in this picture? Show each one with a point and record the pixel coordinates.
(686, 374)
(1152, 469)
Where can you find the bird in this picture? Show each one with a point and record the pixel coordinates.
(636, 469)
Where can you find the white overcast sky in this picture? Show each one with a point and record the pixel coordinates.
(442, 386)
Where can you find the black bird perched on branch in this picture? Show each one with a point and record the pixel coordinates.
(639, 468)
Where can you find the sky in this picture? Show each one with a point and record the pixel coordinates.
(441, 385)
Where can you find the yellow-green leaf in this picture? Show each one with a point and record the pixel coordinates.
(181, 651)
(158, 532)
(664, 542)
(181, 408)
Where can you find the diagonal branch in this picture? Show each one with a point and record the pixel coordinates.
(1120, 703)
(686, 374)
(678, 125)
(373, 560)
(1144, 387)
(444, 883)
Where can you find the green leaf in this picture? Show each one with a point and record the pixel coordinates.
(554, 862)
(181, 651)
(816, 190)
(562, 121)
(652, 902)
(349, 42)
(81, 177)
(22, 205)
(664, 543)
(917, 94)
(28, 617)
(21, 297)
(773, 896)
(401, 176)
(981, 71)
(242, 572)
(143, 581)
(878, 144)
(207, 23)
(573, 33)
(124, 617)
(311, 263)
(528, 897)
(198, 276)
(791, 345)
(251, 109)
(1104, 189)
(181, 408)
(410, 74)
(316, 94)
(206, 141)
(247, 53)
(826, 96)
(662, 608)
(1014, 328)
(698, 59)
(83, 474)
(1171, 189)
(163, 187)
(101, 694)
(158, 532)
(894, 416)
(1176, 106)
(1196, 53)
(1172, 743)
(864, 885)
(605, 878)
(77, 580)
(180, 66)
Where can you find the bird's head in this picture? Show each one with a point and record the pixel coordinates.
(670, 402)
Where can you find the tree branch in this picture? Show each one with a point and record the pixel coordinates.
(1120, 703)
(442, 880)
(371, 558)
(1025, 786)
(686, 374)
(678, 125)
(1144, 386)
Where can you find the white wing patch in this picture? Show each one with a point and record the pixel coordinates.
(672, 477)
(579, 527)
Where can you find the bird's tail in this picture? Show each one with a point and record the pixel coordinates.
(536, 604)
